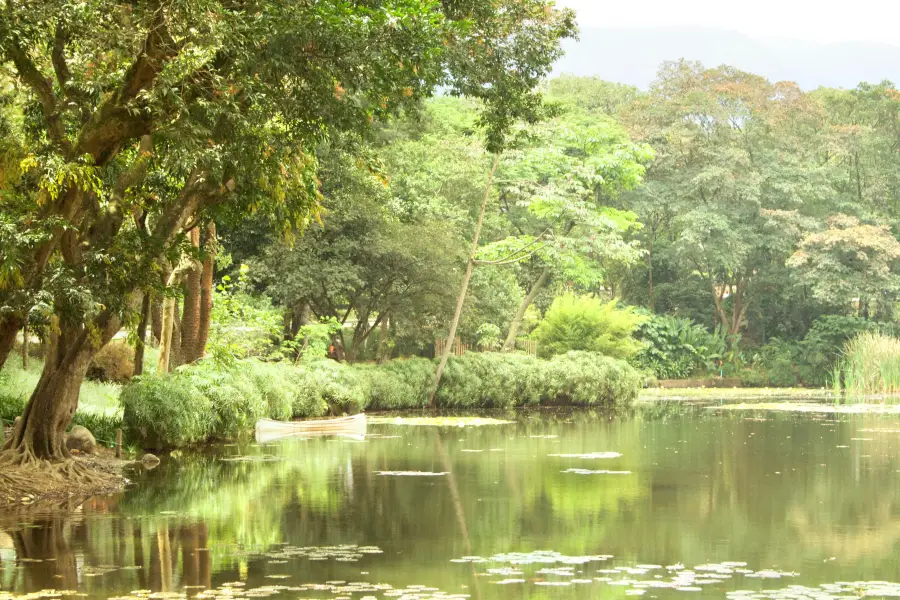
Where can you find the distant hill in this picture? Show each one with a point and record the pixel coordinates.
(633, 56)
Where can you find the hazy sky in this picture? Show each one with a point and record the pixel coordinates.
(814, 20)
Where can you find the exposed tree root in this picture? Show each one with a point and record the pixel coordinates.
(25, 479)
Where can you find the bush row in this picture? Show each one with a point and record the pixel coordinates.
(206, 401)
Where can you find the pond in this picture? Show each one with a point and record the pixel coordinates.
(661, 500)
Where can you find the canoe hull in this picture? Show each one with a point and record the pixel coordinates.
(268, 430)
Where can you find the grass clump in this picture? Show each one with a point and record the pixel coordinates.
(871, 365)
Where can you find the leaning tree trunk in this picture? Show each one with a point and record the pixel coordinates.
(461, 299)
(206, 290)
(9, 329)
(510, 343)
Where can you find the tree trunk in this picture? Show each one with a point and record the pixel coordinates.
(165, 338)
(382, 336)
(142, 333)
(156, 317)
(206, 290)
(461, 299)
(40, 435)
(510, 343)
(652, 302)
(9, 329)
(190, 320)
(25, 345)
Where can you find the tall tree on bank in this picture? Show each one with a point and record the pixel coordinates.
(521, 102)
(556, 191)
(225, 103)
(733, 174)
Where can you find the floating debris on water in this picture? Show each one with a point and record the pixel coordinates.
(411, 473)
(589, 455)
(597, 472)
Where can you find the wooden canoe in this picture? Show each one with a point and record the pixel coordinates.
(268, 430)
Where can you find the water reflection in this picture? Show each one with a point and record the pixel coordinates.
(663, 485)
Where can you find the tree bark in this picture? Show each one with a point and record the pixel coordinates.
(142, 333)
(40, 435)
(156, 318)
(9, 329)
(652, 302)
(190, 320)
(206, 290)
(165, 339)
(461, 299)
(25, 345)
(382, 337)
(510, 343)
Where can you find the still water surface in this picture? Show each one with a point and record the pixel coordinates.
(554, 505)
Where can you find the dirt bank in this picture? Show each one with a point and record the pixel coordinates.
(98, 474)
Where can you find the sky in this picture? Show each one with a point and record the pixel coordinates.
(824, 21)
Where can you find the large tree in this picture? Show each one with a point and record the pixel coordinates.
(735, 170)
(142, 119)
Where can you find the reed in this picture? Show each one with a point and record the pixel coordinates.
(871, 366)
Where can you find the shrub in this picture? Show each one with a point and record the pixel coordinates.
(307, 399)
(418, 373)
(236, 402)
(201, 402)
(114, 363)
(753, 378)
(166, 411)
(491, 380)
(343, 388)
(584, 323)
(11, 407)
(589, 379)
(674, 348)
(274, 384)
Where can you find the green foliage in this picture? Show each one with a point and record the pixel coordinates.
(166, 411)
(849, 260)
(753, 378)
(585, 323)
(102, 425)
(488, 337)
(241, 325)
(871, 365)
(114, 363)
(203, 402)
(674, 348)
(588, 379)
(824, 343)
(492, 380)
(11, 406)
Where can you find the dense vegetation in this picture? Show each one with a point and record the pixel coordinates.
(281, 184)
(205, 402)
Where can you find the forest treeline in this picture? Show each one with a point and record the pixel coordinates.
(762, 214)
(286, 182)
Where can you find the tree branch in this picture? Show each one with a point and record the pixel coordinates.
(58, 58)
(33, 78)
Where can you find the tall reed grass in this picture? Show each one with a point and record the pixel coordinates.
(871, 366)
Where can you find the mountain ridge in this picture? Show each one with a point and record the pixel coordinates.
(633, 56)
